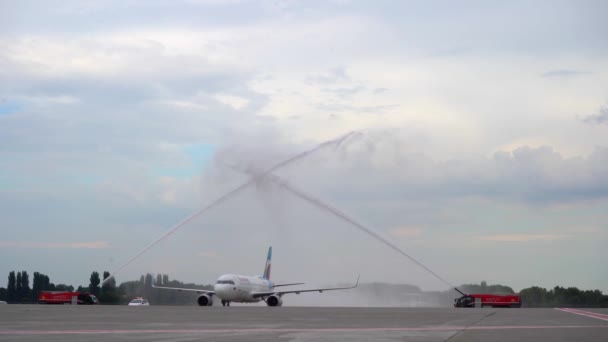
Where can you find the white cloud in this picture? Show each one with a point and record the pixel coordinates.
(186, 105)
(235, 102)
(599, 118)
(169, 197)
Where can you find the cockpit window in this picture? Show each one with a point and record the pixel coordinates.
(225, 282)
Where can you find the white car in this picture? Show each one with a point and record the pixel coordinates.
(139, 302)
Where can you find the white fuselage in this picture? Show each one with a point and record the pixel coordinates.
(239, 288)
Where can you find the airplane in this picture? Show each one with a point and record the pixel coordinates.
(249, 289)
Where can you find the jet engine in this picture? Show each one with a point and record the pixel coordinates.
(274, 300)
(205, 300)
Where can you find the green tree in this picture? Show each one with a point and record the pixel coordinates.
(109, 282)
(109, 293)
(148, 285)
(483, 287)
(25, 287)
(36, 286)
(574, 297)
(64, 287)
(534, 297)
(593, 298)
(18, 289)
(94, 283)
(3, 294)
(142, 285)
(558, 296)
(40, 282)
(45, 283)
(11, 290)
(157, 295)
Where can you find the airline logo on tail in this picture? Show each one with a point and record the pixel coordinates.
(267, 267)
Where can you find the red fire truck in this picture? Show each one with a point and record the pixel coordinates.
(493, 300)
(66, 297)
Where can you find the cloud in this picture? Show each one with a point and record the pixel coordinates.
(387, 166)
(345, 91)
(105, 106)
(169, 197)
(524, 237)
(380, 90)
(565, 73)
(60, 245)
(339, 107)
(332, 76)
(235, 102)
(601, 117)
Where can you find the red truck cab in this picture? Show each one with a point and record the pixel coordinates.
(66, 297)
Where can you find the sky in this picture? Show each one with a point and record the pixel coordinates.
(483, 145)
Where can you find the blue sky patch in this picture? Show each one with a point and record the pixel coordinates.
(8, 107)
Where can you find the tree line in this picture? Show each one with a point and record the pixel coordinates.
(538, 297)
(18, 290)
(484, 288)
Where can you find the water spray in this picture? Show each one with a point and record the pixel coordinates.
(232, 193)
(333, 210)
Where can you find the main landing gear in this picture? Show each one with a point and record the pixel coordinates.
(225, 303)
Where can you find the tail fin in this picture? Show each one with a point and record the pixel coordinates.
(267, 267)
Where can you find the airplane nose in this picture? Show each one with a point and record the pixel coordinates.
(221, 289)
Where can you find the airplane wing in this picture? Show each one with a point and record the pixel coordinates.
(184, 289)
(278, 285)
(280, 293)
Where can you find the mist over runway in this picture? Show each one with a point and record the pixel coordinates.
(171, 323)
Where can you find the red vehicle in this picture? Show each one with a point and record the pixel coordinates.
(481, 300)
(66, 297)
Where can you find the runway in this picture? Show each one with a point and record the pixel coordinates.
(241, 323)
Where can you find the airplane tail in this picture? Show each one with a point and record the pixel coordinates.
(267, 267)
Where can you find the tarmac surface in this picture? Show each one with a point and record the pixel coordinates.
(242, 323)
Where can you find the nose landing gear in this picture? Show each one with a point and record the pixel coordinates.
(225, 303)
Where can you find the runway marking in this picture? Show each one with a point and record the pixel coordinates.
(291, 330)
(595, 315)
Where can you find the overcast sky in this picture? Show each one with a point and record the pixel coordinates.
(484, 151)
